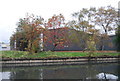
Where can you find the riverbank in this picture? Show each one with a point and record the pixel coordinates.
(57, 54)
(58, 61)
(20, 58)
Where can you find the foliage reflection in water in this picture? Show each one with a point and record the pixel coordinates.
(87, 71)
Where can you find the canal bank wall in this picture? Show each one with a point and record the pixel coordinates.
(7, 62)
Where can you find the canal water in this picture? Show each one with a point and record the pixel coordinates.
(84, 71)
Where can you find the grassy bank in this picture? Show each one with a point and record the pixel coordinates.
(49, 54)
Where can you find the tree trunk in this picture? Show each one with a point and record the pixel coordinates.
(102, 47)
(54, 48)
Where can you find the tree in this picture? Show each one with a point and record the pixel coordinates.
(84, 24)
(28, 32)
(105, 19)
(118, 38)
(57, 32)
(102, 21)
(18, 41)
(12, 42)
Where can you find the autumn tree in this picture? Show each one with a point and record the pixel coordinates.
(28, 31)
(84, 24)
(102, 21)
(105, 19)
(17, 41)
(57, 32)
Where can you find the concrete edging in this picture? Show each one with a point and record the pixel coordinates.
(68, 61)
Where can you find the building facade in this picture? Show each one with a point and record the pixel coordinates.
(4, 47)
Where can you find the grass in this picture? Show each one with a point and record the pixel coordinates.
(49, 54)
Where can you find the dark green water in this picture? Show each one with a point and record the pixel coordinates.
(87, 71)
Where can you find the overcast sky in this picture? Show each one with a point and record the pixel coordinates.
(12, 10)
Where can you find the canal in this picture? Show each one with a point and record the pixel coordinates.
(81, 71)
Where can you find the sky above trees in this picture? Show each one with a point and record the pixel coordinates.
(13, 10)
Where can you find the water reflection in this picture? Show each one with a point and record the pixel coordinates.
(106, 76)
(88, 71)
(6, 75)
